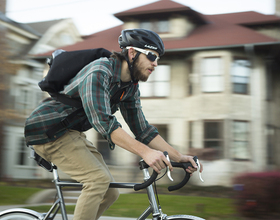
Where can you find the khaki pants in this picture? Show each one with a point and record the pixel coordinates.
(78, 158)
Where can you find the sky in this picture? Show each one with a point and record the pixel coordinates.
(91, 16)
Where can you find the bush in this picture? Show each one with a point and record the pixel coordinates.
(258, 194)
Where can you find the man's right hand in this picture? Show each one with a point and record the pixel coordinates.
(156, 160)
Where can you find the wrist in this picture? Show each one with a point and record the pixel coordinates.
(183, 158)
(177, 157)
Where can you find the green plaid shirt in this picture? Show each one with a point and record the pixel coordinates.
(94, 84)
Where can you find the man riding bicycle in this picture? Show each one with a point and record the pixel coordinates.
(96, 84)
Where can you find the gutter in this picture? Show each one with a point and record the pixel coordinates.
(223, 47)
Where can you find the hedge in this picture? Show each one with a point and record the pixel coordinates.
(258, 194)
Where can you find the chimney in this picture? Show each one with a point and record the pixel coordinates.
(277, 7)
(3, 6)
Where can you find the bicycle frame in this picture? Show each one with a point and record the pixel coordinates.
(59, 204)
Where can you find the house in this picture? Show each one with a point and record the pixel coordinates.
(23, 93)
(215, 92)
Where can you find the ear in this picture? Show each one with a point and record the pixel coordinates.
(131, 54)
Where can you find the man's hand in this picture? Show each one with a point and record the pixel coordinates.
(156, 160)
(186, 158)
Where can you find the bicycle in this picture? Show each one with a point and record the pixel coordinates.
(154, 208)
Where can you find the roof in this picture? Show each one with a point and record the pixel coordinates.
(218, 33)
(22, 26)
(159, 8)
(248, 18)
(43, 26)
(107, 39)
(156, 7)
(221, 30)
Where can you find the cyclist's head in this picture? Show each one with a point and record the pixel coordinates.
(141, 38)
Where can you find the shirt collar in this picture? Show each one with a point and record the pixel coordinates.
(117, 67)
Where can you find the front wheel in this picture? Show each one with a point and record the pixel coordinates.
(19, 214)
(183, 217)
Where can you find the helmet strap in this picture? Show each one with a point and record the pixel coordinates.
(130, 67)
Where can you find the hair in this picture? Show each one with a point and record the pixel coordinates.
(120, 55)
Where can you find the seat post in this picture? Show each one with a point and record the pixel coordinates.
(59, 192)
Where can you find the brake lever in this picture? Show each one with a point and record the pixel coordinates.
(168, 169)
(199, 173)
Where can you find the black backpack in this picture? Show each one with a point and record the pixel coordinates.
(64, 66)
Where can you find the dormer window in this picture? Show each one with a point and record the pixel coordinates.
(159, 26)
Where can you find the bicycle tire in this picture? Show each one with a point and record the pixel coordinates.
(183, 217)
(19, 214)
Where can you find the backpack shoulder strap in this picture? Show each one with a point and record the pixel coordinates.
(67, 100)
(63, 123)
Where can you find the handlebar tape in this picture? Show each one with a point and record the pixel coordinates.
(170, 188)
(187, 176)
(146, 183)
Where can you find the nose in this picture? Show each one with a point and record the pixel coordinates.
(155, 63)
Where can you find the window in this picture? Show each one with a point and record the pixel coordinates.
(103, 148)
(191, 78)
(163, 131)
(23, 153)
(269, 82)
(27, 99)
(146, 25)
(213, 138)
(158, 84)
(240, 148)
(66, 39)
(212, 74)
(159, 26)
(240, 73)
(191, 133)
(270, 144)
(23, 100)
(162, 26)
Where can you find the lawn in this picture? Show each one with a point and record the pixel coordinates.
(132, 205)
(10, 195)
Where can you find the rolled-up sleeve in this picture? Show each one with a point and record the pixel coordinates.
(94, 92)
(131, 110)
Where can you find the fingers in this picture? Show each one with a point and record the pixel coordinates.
(201, 167)
(167, 162)
(193, 163)
(192, 169)
(159, 162)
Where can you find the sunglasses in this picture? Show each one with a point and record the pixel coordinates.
(150, 55)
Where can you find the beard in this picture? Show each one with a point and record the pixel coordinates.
(137, 73)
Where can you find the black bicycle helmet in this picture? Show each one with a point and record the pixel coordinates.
(141, 38)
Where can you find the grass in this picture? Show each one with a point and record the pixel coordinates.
(132, 205)
(10, 195)
(204, 207)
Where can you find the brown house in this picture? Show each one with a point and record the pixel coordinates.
(216, 90)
